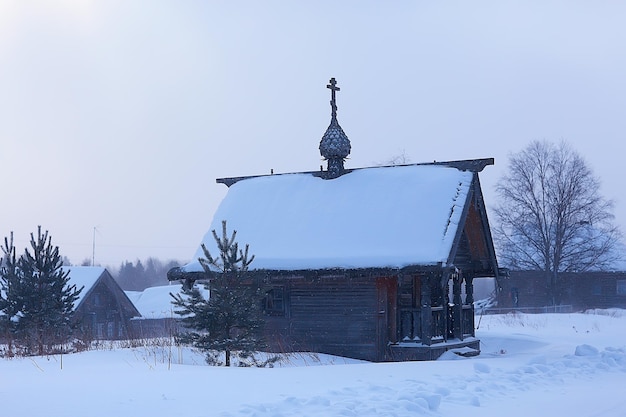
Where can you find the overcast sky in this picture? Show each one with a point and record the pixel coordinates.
(120, 115)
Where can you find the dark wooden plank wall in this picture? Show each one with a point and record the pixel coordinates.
(335, 315)
(102, 308)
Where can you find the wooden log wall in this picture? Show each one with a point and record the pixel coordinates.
(334, 314)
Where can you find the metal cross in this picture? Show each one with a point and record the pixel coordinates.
(333, 103)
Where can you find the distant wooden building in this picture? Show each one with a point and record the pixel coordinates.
(157, 312)
(102, 311)
(359, 262)
(528, 291)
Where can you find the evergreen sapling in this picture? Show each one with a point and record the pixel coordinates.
(230, 319)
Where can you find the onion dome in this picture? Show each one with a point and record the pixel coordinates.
(335, 145)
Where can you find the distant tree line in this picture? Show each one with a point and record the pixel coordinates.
(140, 275)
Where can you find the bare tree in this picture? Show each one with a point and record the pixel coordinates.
(551, 216)
(401, 158)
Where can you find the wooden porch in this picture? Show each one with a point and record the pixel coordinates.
(429, 323)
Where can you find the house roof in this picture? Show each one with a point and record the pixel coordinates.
(156, 302)
(88, 277)
(83, 276)
(390, 217)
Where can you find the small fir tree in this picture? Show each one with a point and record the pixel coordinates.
(9, 292)
(40, 300)
(230, 320)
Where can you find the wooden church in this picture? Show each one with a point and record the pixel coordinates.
(371, 263)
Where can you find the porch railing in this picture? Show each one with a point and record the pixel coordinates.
(441, 326)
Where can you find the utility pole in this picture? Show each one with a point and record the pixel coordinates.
(93, 253)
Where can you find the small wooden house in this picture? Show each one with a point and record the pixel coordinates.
(103, 310)
(157, 312)
(359, 262)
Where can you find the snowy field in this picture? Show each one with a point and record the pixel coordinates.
(530, 365)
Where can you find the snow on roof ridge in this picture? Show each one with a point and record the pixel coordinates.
(83, 277)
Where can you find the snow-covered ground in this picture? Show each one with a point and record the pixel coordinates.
(530, 365)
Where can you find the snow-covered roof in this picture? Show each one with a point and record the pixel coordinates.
(374, 217)
(155, 302)
(86, 276)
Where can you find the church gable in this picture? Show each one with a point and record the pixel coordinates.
(474, 250)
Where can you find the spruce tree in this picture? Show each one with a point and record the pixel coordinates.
(9, 292)
(40, 300)
(230, 320)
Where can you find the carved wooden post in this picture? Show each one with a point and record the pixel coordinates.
(445, 303)
(469, 290)
(426, 313)
(457, 310)
(469, 299)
